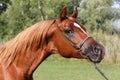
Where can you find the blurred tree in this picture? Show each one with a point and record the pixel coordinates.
(95, 14)
(23, 13)
(116, 19)
(3, 5)
(20, 14)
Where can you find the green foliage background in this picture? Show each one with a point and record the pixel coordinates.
(20, 14)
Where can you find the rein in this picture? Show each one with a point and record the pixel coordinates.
(100, 72)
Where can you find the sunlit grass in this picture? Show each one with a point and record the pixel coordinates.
(67, 69)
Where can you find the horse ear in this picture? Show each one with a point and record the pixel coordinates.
(75, 13)
(63, 13)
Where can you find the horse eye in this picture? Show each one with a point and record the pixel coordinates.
(69, 32)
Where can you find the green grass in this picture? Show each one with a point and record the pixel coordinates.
(70, 69)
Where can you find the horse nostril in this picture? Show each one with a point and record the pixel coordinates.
(97, 50)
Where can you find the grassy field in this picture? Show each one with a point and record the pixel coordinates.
(71, 69)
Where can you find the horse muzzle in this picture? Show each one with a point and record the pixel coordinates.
(94, 51)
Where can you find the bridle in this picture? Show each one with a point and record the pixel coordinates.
(78, 48)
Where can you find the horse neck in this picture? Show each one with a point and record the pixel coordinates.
(29, 59)
(27, 50)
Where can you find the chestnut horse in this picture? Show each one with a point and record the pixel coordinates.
(20, 56)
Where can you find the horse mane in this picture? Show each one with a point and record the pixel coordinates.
(33, 36)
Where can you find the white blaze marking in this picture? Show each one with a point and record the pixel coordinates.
(78, 26)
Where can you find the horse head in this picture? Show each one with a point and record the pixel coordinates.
(71, 39)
